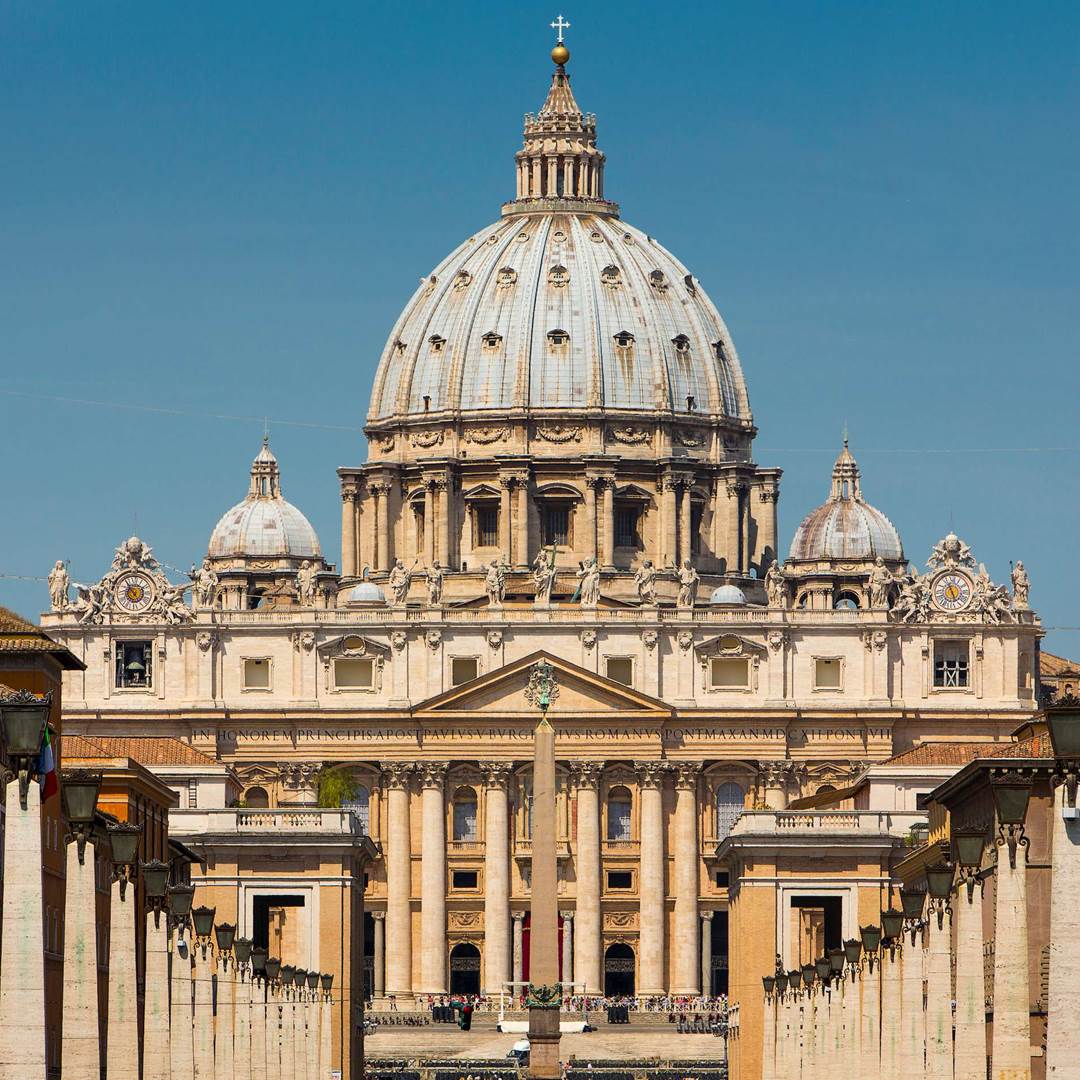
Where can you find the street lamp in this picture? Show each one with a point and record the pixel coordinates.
(124, 844)
(300, 981)
(809, 972)
(781, 982)
(313, 981)
(836, 962)
(242, 949)
(824, 970)
(852, 952)
(155, 875)
(79, 791)
(1063, 724)
(1011, 789)
(912, 904)
(180, 897)
(272, 968)
(892, 923)
(225, 933)
(871, 941)
(203, 918)
(769, 982)
(327, 982)
(23, 717)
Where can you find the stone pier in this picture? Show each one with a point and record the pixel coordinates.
(81, 1047)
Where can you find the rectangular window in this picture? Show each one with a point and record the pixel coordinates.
(620, 879)
(134, 664)
(487, 525)
(466, 879)
(722, 879)
(418, 524)
(696, 512)
(465, 821)
(463, 669)
(827, 674)
(556, 522)
(950, 664)
(729, 673)
(620, 669)
(922, 800)
(257, 674)
(354, 674)
(626, 526)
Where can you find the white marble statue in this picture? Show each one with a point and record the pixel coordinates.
(306, 579)
(172, 605)
(58, 586)
(880, 583)
(91, 603)
(645, 582)
(589, 583)
(495, 583)
(433, 575)
(1021, 584)
(204, 581)
(688, 584)
(399, 581)
(775, 587)
(543, 572)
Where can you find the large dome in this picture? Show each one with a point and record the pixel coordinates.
(844, 526)
(264, 524)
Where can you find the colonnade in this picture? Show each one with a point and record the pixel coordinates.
(503, 922)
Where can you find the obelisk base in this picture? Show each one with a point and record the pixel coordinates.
(544, 1037)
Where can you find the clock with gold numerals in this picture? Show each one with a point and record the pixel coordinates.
(951, 591)
(133, 592)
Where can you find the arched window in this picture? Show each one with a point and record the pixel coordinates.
(257, 798)
(619, 804)
(360, 805)
(846, 601)
(465, 815)
(730, 803)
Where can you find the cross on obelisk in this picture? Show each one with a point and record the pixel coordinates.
(544, 998)
(559, 25)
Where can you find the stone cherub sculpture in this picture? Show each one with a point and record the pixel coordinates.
(688, 584)
(645, 581)
(59, 582)
(433, 576)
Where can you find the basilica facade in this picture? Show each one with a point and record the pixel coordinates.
(560, 466)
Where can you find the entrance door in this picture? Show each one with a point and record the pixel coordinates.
(619, 970)
(465, 969)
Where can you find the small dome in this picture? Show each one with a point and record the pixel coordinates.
(728, 594)
(844, 526)
(264, 524)
(366, 592)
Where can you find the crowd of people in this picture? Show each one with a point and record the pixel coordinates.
(577, 1003)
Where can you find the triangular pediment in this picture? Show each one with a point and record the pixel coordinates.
(581, 693)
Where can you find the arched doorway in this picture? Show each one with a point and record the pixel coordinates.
(464, 969)
(619, 970)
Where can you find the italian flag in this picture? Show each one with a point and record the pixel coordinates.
(47, 768)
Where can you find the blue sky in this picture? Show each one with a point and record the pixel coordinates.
(220, 208)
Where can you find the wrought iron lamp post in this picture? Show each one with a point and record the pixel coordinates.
(224, 1038)
(203, 919)
(181, 1021)
(122, 1047)
(23, 718)
(326, 1054)
(155, 1048)
(939, 1025)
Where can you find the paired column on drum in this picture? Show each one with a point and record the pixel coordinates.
(685, 941)
(496, 877)
(433, 878)
(651, 890)
(586, 776)
(398, 879)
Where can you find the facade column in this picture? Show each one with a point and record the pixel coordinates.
(258, 1027)
(181, 1044)
(608, 554)
(870, 1017)
(766, 521)
(382, 525)
(242, 1054)
(768, 1045)
(651, 886)
(433, 878)
(428, 554)
(685, 537)
(155, 1053)
(81, 1047)
(122, 1047)
(519, 950)
(970, 1045)
(685, 944)
(1011, 1049)
(939, 1018)
(348, 531)
(706, 959)
(586, 775)
(669, 553)
(326, 1037)
(567, 950)
(443, 492)
(1063, 992)
(591, 547)
(505, 530)
(912, 1017)
(224, 1058)
(734, 527)
(398, 879)
(522, 552)
(890, 1011)
(379, 974)
(204, 1013)
(496, 877)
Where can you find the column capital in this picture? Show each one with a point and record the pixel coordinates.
(566, 916)
(586, 774)
(397, 773)
(379, 487)
(350, 489)
(496, 773)
(378, 916)
(432, 773)
(650, 774)
(686, 774)
(707, 915)
(518, 916)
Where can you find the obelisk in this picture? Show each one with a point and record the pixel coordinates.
(545, 993)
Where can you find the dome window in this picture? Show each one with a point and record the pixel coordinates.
(846, 601)
(559, 237)
(437, 343)
(400, 347)
(658, 281)
(462, 280)
(688, 281)
(624, 339)
(596, 237)
(507, 277)
(492, 340)
(558, 338)
(611, 276)
(682, 344)
(719, 350)
(558, 276)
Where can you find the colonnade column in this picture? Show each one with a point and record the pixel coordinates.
(433, 878)
(348, 531)
(398, 879)
(939, 1019)
(379, 974)
(706, 953)
(687, 856)
(519, 950)
(496, 877)
(912, 1018)
(587, 870)
(651, 888)
(567, 950)
(608, 555)
(970, 1043)
(81, 1050)
(122, 1047)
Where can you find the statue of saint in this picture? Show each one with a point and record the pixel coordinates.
(775, 588)
(495, 583)
(399, 581)
(543, 572)
(204, 581)
(1021, 584)
(173, 607)
(433, 575)
(688, 583)
(645, 581)
(880, 583)
(589, 583)
(305, 584)
(58, 586)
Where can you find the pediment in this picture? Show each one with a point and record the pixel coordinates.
(353, 645)
(734, 645)
(581, 693)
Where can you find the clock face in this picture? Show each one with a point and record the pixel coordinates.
(134, 592)
(952, 591)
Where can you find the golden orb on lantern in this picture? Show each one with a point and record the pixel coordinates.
(560, 54)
